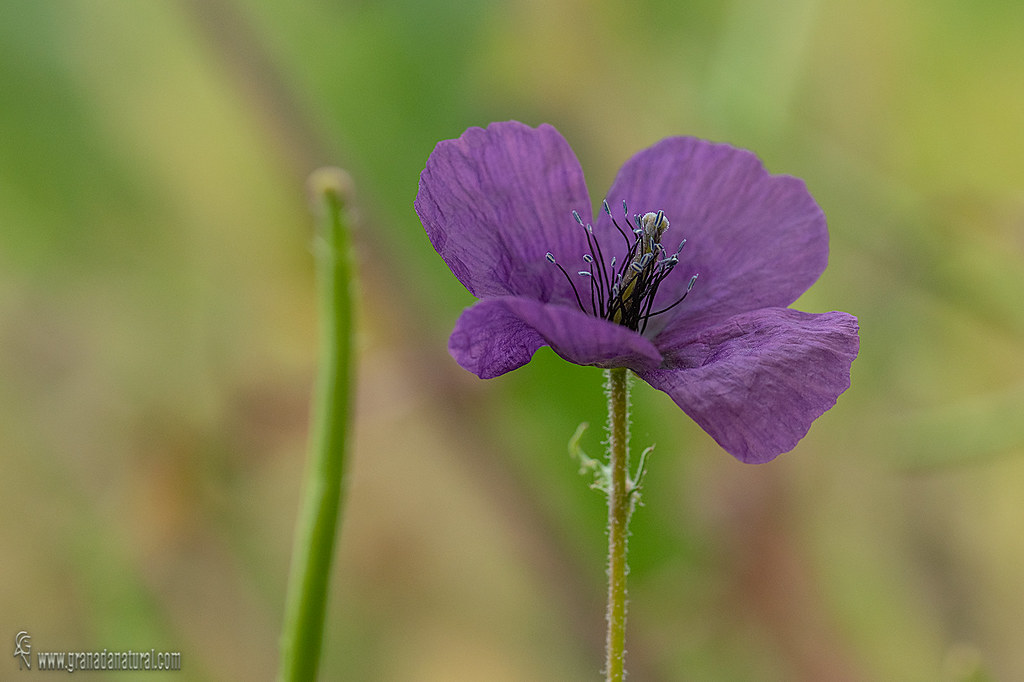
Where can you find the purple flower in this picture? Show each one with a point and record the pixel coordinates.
(690, 292)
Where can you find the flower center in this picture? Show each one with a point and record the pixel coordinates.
(623, 292)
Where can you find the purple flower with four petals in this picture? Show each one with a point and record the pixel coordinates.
(691, 292)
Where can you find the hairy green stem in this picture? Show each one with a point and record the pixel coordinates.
(619, 507)
(331, 418)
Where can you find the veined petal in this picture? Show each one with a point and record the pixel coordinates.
(495, 201)
(490, 340)
(756, 240)
(499, 334)
(757, 381)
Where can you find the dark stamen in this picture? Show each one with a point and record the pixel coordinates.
(621, 231)
(649, 303)
(596, 246)
(682, 298)
(567, 279)
(594, 300)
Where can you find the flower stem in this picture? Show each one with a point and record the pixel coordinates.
(318, 519)
(619, 507)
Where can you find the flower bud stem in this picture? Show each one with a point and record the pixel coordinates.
(325, 469)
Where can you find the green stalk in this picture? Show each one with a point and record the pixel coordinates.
(316, 533)
(619, 507)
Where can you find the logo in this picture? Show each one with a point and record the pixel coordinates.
(23, 648)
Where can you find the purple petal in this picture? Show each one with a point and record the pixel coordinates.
(497, 335)
(494, 202)
(756, 240)
(757, 381)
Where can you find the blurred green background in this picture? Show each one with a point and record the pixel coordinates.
(157, 341)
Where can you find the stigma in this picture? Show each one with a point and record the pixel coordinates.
(623, 291)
